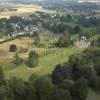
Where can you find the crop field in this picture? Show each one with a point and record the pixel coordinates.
(22, 10)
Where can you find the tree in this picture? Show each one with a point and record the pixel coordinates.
(66, 18)
(43, 87)
(3, 95)
(2, 80)
(76, 30)
(36, 39)
(13, 48)
(17, 60)
(30, 90)
(59, 74)
(59, 94)
(80, 89)
(97, 68)
(32, 59)
(16, 89)
(95, 83)
(67, 84)
(81, 67)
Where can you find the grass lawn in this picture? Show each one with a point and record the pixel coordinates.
(46, 63)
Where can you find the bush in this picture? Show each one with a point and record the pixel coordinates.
(13, 48)
(64, 41)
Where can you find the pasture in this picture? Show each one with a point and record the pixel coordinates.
(48, 59)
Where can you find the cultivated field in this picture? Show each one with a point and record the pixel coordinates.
(22, 10)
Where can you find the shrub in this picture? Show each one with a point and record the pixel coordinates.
(13, 48)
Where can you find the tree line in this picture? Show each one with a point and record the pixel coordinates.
(85, 65)
(41, 88)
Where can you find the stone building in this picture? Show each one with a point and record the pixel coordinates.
(83, 42)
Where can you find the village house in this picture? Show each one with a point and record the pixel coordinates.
(83, 42)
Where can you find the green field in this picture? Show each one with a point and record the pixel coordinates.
(46, 63)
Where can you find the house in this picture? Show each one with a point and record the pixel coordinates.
(83, 42)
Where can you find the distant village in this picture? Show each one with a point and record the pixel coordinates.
(21, 30)
(7, 9)
(25, 27)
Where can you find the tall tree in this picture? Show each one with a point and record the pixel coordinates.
(1, 76)
(32, 59)
(80, 89)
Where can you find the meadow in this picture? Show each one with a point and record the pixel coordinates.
(48, 59)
